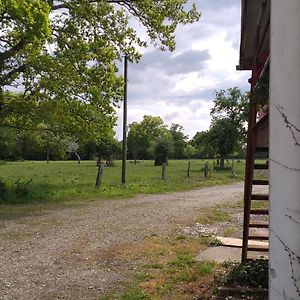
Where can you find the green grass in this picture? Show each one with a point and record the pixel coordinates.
(214, 214)
(168, 270)
(65, 180)
(30, 185)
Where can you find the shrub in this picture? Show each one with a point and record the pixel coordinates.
(23, 189)
(251, 273)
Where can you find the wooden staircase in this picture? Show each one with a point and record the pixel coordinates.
(256, 210)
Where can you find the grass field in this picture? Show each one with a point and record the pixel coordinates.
(37, 181)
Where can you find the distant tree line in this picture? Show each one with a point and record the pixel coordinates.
(148, 139)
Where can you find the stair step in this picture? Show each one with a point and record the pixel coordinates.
(259, 211)
(259, 224)
(259, 197)
(258, 236)
(258, 248)
(260, 182)
(261, 166)
(254, 256)
(256, 245)
(262, 149)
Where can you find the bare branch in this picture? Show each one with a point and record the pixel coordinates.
(4, 79)
(9, 53)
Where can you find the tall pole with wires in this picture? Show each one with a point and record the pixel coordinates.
(124, 152)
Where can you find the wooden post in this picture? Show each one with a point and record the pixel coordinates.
(48, 154)
(206, 170)
(124, 144)
(232, 167)
(164, 168)
(99, 175)
(188, 169)
(98, 162)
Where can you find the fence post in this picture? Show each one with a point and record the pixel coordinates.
(164, 167)
(206, 170)
(188, 169)
(99, 175)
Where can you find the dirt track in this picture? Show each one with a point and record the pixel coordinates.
(59, 253)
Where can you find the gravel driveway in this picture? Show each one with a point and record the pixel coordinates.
(57, 254)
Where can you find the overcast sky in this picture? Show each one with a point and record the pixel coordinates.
(180, 86)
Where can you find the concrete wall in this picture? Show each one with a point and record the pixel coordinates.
(285, 150)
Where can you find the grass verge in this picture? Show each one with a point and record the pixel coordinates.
(167, 269)
(26, 185)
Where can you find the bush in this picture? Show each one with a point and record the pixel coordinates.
(251, 273)
(161, 148)
(23, 189)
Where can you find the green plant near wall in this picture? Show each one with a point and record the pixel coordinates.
(251, 273)
(260, 95)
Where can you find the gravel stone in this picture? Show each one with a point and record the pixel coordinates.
(56, 254)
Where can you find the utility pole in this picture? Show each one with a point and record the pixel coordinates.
(124, 152)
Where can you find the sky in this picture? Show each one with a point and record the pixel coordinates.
(180, 86)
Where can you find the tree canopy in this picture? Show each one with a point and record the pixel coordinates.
(142, 134)
(232, 104)
(227, 131)
(65, 52)
(179, 140)
(223, 137)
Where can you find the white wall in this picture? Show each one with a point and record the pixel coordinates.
(284, 154)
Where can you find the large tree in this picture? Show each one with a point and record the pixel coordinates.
(142, 134)
(201, 142)
(232, 104)
(227, 133)
(161, 149)
(224, 138)
(179, 140)
(65, 52)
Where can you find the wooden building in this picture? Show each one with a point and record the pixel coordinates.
(270, 48)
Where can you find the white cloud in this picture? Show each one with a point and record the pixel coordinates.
(180, 86)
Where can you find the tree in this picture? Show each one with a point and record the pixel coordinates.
(162, 148)
(201, 142)
(68, 60)
(136, 141)
(72, 148)
(190, 151)
(142, 134)
(233, 105)
(223, 137)
(179, 140)
(108, 149)
(7, 143)
(230, 113)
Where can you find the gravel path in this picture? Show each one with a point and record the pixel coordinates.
(57, 254)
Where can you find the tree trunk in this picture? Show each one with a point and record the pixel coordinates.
(78, 157)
